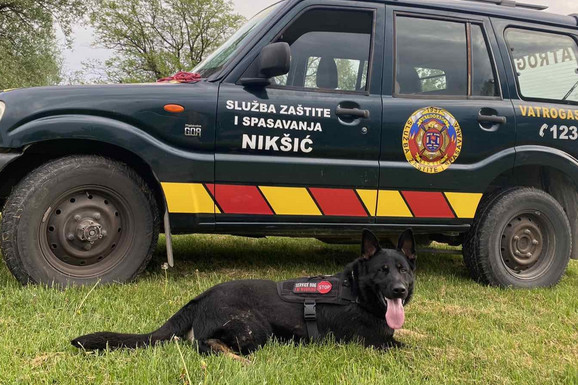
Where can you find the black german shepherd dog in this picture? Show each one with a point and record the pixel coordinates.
(241, 316)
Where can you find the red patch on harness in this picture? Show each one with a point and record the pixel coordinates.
(322, 287)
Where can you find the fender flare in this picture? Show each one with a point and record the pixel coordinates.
(121, 134)
(547, 156)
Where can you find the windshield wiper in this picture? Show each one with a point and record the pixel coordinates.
(570, 92)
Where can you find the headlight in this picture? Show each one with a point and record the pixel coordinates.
(2, 109)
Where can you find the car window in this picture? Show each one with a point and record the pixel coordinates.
(432, 59)
(545, 64)
(330, 50)
(484, 82)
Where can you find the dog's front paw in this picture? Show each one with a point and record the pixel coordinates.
(398, 344)
(393, 344)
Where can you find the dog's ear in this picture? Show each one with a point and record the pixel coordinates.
(369, 244)
(406, 245)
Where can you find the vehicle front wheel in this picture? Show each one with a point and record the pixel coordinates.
(78, 220)
(520, 238)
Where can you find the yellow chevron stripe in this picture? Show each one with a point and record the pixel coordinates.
(464, 204)
(391, 204)
(369, 198)
(290, 200)
(189, 198)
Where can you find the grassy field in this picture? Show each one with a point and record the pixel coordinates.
(457, 331)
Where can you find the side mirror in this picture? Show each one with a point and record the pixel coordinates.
(274, 60)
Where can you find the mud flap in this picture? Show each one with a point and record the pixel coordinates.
(560, 188)
(169, 239)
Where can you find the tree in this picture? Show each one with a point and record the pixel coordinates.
(431, 79)
(156, 38)
(29, 54)
(347, 73)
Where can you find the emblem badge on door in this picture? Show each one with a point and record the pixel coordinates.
(432, 140)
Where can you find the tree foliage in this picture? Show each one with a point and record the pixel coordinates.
(29, 54)
(432, 79)
(347, 73)
(156, 38)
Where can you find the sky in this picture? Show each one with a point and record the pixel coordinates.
(84, 49)
(565, 7)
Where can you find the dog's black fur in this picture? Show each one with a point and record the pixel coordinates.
(244, 315)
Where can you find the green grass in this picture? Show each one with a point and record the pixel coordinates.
(458, 332)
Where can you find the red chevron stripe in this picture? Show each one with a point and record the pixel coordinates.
(233, 199)
(338, 202)
(428, 204)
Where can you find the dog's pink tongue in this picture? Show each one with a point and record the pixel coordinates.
(395, 316)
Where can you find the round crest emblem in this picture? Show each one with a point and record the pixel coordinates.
(432, 140)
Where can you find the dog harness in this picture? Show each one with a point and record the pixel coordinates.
(313, 290)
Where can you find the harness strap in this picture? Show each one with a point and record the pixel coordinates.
(310, 314)
(310, 291)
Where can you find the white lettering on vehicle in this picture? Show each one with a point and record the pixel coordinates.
(559, 133)
(254, 106)
(299, 110)
(269, 143)
(544, 59)
(284, 143)
(248, 121)
(193, 130)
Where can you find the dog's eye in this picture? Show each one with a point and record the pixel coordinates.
(384, 269)
(401, 268)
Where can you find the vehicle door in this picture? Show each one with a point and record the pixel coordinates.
(544, 87)
(448, 123)
(305, 148)
(544, 65)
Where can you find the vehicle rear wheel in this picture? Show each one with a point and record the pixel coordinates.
(78, 220)
(521, 237)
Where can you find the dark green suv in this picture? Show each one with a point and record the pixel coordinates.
(318, 118)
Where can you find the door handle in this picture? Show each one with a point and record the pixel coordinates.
(355, 112)
(492, 119)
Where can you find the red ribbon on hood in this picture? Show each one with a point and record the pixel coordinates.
(181, 77)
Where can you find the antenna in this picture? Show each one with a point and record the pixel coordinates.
(512, 3)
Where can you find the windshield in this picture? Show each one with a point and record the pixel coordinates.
(217, 60)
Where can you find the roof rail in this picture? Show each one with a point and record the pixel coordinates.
(575, 16)
(513, 3)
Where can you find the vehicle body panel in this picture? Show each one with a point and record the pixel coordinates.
(198, 152)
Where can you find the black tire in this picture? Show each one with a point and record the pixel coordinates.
(471, 240)
(520, 237)
(79, 220)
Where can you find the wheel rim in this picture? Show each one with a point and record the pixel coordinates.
(87, 231)
(528, 245)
